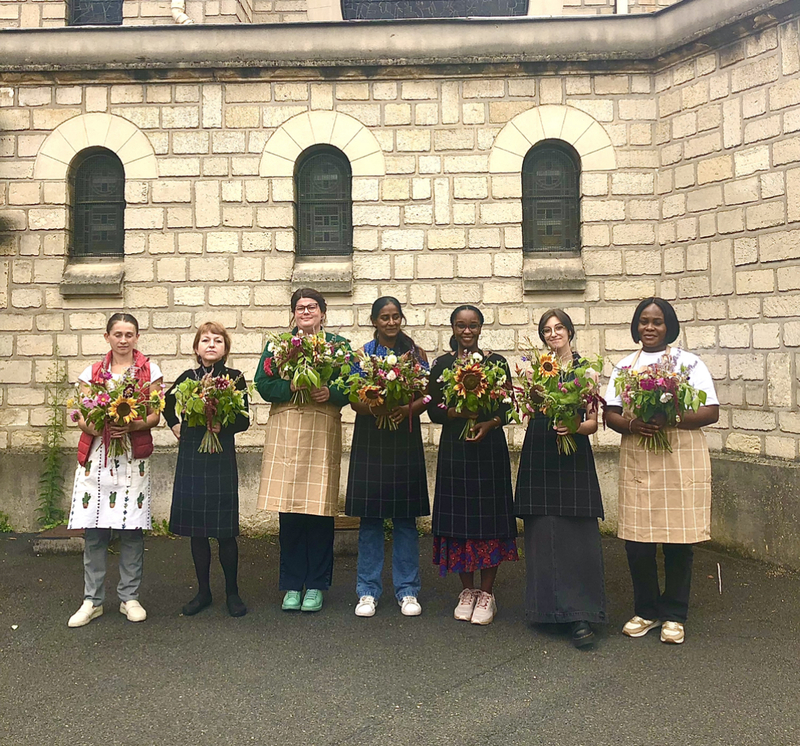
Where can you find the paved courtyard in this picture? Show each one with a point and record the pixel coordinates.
(332, 679)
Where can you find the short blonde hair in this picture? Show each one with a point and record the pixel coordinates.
(215, 328)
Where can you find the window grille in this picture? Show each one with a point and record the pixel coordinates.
(394, 9)
(95, 13)
(324, 204)
(98, 204)
(550, 199)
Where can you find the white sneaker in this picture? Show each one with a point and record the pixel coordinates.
(466, 604)
(85, 614)
(133, 610)
(366, 606)
(485, 609)
(409, 606)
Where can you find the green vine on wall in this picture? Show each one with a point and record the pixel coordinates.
(51, 481)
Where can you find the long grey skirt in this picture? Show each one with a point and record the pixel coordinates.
(564, 570)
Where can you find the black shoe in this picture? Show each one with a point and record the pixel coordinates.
(197, 604)
(236, 606)
(582, 634)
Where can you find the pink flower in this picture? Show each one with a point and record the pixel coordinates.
(103, 398)
(74, 415)
(88, 403)
(296, 341)
(426, 398)
(105, 375)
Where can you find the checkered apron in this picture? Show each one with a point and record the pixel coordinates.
(302, 459)
(665, 497)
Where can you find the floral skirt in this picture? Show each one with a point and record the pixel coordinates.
(468, 555)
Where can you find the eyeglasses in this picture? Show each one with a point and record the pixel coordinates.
(310, 308)
(461, 327)
(557, 329)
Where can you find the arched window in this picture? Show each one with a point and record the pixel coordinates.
(97, 202)
(551, 198)
(324, 204)
(94, 13)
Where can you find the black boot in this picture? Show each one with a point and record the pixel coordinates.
(582, 634)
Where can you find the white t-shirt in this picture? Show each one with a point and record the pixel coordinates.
(699, 377)
(155, 374)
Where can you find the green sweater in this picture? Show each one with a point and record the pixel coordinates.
(276, 389)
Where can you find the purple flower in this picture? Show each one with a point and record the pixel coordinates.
(105, 375)
(296, 341)
(647, 384)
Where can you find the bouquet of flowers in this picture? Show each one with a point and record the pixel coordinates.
(559, 392)
(477, 385)
(393, 381)
(658, 391)
(307, 360)
(120, 403)
(210, 401)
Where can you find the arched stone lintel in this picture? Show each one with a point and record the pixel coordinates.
(322, 128)
(118, 134)
(579, 129)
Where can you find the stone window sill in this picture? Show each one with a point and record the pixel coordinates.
(553, 272)
(92, 278)
(332, 275)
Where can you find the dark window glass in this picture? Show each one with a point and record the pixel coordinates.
(97, 189)
(550, 198)
(394, 9)
(324, 204)
(94, 13)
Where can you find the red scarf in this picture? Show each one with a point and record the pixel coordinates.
(141, 440)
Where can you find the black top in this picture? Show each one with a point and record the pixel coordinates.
(205, 494)
(473, 497)
(550, 483)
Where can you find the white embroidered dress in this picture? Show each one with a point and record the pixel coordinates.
(115, 494)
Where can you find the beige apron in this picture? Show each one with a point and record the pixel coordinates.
(302, 459)
(665, 497)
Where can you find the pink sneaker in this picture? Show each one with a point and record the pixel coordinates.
(466, 604)
(485, 609)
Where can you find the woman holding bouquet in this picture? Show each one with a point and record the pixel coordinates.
(664, 494)
(387, 476)
(302, 464)
(113, 491)
(205, 495)
(473, 514)
(558, 497)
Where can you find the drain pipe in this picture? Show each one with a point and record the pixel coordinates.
(178, 8)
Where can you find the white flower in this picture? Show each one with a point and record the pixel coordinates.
(477, 357)
(665, 397)
(391, 375)
(391, 360)
(507, 400)
(271, 347)
(339, 353)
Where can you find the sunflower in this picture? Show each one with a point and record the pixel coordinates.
(123, 410)
(470, 379)
(548, 367)
(370, 395)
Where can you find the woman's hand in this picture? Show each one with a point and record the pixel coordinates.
(464, 414)
(215, 429)
(480, 430)
(561, 429)
(647, 429)
(321, 395)
(400, 413)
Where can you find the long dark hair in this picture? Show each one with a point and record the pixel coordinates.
(456, 311)
(126, 318)
(404, 343)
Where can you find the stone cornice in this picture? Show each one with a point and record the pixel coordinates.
(633, 38)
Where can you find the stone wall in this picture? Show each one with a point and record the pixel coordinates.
(43, 13)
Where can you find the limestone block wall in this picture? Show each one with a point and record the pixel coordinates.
(728, 137)
(690, 190)
(32, 13)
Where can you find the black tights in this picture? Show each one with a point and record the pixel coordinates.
(228, 558)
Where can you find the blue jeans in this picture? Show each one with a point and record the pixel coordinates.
(405, 558)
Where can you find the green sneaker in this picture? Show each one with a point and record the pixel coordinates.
(312, 600)
(291, 601)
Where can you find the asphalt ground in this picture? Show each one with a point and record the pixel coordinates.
(331, 678)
